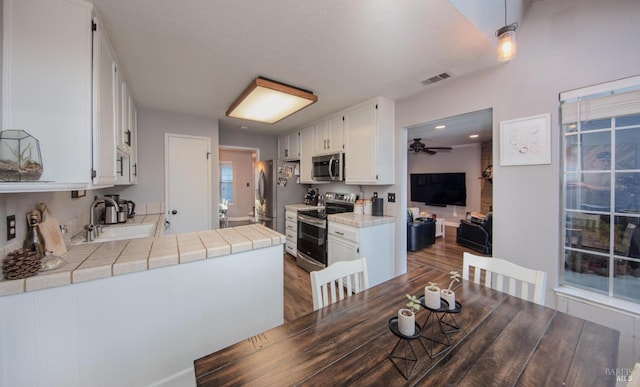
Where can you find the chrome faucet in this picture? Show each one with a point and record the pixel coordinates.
(93, 229)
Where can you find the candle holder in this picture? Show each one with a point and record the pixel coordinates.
(448, 323)
(437, 341)
(408, 356)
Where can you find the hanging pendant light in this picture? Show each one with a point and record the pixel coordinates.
(507, 46)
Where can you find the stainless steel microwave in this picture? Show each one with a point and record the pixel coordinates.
(328, 167)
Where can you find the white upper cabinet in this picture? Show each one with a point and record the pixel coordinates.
(306, 153)
(128, 162)
(329, 135)
(369, 142)
(104, 105)
(47, 88)
(289, 146)
(62, 85)
(124, 134)
(133, 164)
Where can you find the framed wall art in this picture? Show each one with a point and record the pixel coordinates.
(526, 141)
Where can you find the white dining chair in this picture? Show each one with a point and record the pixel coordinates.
(498, 271)
(342, 278)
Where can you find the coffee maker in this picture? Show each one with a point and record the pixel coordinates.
(124, 211)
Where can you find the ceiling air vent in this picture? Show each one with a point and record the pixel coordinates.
(437, 78)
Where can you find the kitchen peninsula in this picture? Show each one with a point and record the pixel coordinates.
(137, 312)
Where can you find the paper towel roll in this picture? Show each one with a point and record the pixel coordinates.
(415, 212)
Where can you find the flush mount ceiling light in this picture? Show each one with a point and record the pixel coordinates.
(441, 126)
(269, 101)
(507, 47)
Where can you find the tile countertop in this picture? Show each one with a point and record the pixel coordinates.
(297, 207)
(359, 220)
(90, 261)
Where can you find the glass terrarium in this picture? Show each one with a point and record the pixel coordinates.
(20, 158)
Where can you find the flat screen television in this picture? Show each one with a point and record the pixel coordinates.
(439, 189)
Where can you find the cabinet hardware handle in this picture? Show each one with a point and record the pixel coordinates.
(339, 233)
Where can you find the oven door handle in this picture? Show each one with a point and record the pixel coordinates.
(308, 259)
(312, 221)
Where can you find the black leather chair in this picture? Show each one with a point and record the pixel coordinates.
(476, 236)
(420, 234)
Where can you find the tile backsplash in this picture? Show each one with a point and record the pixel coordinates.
(76, 225)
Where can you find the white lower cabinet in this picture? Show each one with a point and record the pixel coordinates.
(374, 243)
(291, 232)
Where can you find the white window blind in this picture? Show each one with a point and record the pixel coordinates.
(613, 105)
(611, 99)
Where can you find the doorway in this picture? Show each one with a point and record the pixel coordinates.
(237, 183)
(469, 138)
(187, 183)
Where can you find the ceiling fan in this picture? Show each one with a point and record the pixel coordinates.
(417, 146)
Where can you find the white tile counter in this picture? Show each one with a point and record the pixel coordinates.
(92, 261)
(297, 207)
(359, 220)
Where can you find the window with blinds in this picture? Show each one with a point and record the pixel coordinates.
(601, 188)
(226, 181)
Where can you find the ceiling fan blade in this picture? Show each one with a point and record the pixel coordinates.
(440, 147)
(429, 151)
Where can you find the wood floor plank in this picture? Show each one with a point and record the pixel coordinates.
(445, 255)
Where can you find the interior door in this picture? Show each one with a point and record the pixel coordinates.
(187, 183)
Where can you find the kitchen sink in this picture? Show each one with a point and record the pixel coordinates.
(120, 232)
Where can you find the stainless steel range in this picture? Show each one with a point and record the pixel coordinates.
(312, 230)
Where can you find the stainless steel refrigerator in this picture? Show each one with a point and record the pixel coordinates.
(276, 186)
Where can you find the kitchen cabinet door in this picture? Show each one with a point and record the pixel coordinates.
(124, 134)
(329, 135)
(133, 167)
(306, 155)
(104, 125)
(340, 249)
(289, 146)
(47, 79)
(369, 143)
(128, 163)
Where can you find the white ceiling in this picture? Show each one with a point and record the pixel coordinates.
(196, 56)
(457, 129)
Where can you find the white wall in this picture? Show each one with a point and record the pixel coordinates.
(266, 143)
(462, 158)
(563, 45)
(152, 126)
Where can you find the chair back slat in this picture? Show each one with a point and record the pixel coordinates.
(496, 270)
(340, 279)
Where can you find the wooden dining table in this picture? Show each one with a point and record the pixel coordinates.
(502, 340)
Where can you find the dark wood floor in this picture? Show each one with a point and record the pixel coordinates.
(445, 255)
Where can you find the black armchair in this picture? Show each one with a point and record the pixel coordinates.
(420, 234)
(476, 236)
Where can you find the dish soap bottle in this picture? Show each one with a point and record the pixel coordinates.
(34, 241)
